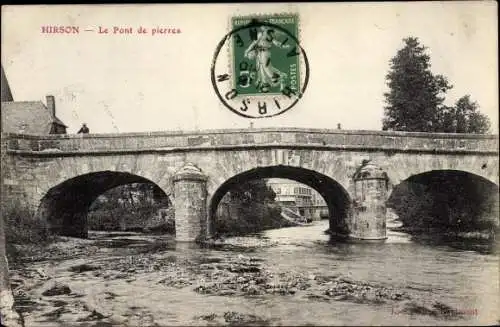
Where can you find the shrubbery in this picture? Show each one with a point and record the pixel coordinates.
(132, 207)
(22, 226)
(142, 218)
(239, 219)
(432, 206)
(249, 208)
(24, 233)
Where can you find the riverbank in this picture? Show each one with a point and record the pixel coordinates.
(132, 279)
(480, 241)
(480, 235)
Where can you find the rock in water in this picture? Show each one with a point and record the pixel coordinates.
(83, 268)
(57, 290)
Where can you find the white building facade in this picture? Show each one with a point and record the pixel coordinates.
(298, 197)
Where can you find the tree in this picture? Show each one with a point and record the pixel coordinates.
(256, 191)
(415, 96)
(415, 99)
(465, 117)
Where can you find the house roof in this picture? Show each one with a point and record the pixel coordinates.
(29, 117)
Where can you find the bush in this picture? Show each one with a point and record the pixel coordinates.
(22, 225)
(242, 218)
(432, 206)
(140, 218)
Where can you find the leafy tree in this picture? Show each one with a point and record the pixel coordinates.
(249, 207)
(256, 191)
(126, 205)
(465, 117)
(415, 95)
(415, 99)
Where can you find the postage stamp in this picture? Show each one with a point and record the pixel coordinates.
(263, 58)
(266, 70)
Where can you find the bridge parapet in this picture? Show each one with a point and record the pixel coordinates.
(296, 138)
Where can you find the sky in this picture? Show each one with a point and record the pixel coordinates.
(143, 82)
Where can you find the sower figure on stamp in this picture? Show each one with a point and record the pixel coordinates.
(84, 129)
(260, 50)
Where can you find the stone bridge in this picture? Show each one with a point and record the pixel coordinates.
(58, 177)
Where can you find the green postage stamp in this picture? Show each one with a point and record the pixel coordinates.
(264, 58)
(264, 72)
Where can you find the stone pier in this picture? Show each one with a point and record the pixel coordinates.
(370, 192)
(190, 203)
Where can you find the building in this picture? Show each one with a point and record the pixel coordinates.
(299, 197)
(28, 117)
(316, 199)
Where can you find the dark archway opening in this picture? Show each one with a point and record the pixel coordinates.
(336, 197)
(447, 203)
(66, 206)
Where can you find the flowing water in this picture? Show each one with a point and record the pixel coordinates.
(126, 291)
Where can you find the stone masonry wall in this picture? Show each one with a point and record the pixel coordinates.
(190, 210)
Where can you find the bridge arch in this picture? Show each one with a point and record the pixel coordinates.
(446, 198)
(401, 167)
(65, 205)
(336, 196)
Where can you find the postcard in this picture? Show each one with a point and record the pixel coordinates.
(250, 164)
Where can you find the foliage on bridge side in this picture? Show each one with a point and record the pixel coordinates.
(24, 232)
(447, 204)
(22, 226)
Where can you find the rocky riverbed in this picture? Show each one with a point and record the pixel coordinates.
(138, 280)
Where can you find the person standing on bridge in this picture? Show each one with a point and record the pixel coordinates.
(84, 129)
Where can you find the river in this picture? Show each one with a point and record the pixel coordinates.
(288, 276)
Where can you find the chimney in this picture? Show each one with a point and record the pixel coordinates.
(51, 105)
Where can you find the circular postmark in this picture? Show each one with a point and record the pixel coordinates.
(265, 72)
